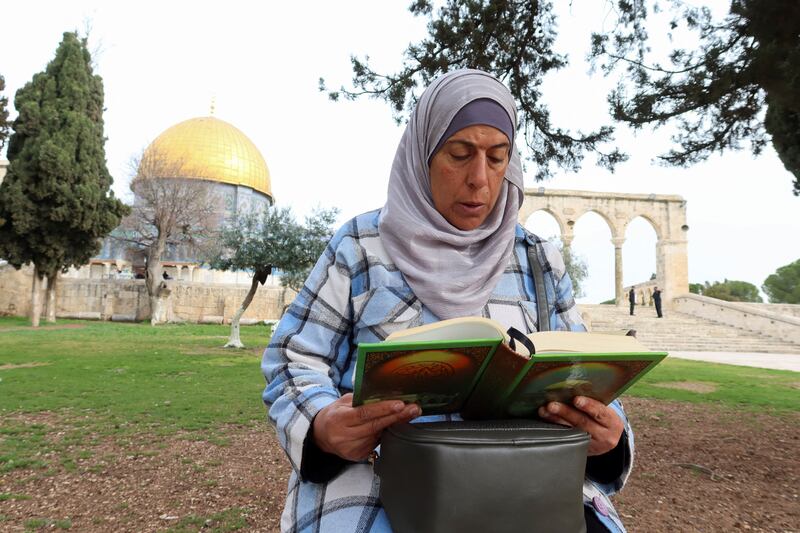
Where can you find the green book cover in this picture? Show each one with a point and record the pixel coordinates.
(554, 377)
(437, 375)
(438, 367)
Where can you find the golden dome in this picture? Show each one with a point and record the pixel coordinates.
(211, 149)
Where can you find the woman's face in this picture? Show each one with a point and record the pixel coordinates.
(467, 174)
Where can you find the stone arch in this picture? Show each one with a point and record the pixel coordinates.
(593, 233)
(649, 219)
(641, 233)
(612, 228)
(665, 213)
(562, 227)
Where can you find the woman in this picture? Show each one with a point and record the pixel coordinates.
(446, 244)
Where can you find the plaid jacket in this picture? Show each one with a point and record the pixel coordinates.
(356, 294)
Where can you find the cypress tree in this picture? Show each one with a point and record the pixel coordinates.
(56, 201)
(3, 114)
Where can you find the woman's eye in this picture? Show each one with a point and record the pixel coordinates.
(459, 157)
(497, 160)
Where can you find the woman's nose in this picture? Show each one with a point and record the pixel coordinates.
(478, 175)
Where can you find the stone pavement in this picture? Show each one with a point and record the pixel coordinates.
(776, 361)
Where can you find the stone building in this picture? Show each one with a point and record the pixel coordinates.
(207, 149)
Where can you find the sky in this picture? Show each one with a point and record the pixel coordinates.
(164, 62)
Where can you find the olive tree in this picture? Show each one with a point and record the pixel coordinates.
(167, 212)
(261, 241)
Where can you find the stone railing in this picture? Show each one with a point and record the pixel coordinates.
(739, 316)
(778, 309)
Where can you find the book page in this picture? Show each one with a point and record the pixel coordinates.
(453, 329)
(581, 342)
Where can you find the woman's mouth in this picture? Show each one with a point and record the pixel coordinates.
(472, 207)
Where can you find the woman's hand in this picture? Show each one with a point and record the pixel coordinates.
(353, 432)
(601, 422)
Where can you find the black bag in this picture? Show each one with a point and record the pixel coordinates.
(488, 476)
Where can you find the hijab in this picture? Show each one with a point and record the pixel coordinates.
(452, 271)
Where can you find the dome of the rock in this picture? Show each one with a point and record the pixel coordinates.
(211, 149)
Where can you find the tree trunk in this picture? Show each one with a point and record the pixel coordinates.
(234, 341)
(153, 282)
(156, 312)
(36, 297)
(160, 305)
(50, 298)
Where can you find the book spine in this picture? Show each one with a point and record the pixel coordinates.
(494, 385)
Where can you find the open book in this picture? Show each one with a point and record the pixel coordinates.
(469, 365)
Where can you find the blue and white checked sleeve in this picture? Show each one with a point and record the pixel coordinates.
(628, 440)
(310, 350)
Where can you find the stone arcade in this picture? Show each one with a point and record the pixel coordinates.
(665, 213)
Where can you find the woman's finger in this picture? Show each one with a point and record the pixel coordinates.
(598, 411)
(574, 417)
(365, 414)
(543, 413)
(375, 425)
(603, 438)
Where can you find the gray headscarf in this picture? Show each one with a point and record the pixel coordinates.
(452, 271)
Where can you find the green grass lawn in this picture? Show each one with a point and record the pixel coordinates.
(115, 379)
(175, 376)
(740, 387)
(112, 379)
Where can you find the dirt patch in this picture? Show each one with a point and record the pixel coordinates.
(46, 418)
(691, 386)
(22, 365)
(154, 482)
(698, 468)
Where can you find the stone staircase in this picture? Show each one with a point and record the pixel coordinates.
(681, 332)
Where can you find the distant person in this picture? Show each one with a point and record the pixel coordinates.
(632, 299)
(657, 301)
(165, 275)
